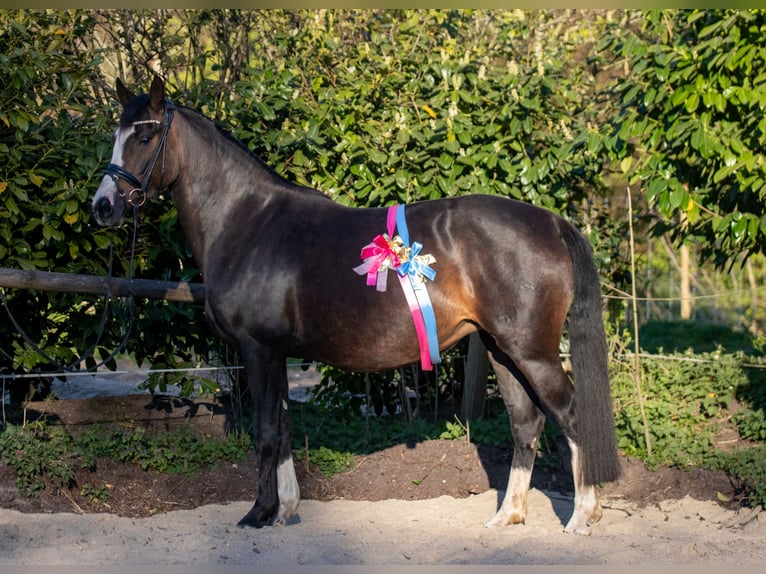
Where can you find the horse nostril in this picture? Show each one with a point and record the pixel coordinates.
(102, 209)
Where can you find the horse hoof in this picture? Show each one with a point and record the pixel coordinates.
(503, 519)
(579, 529)
(251, 522)
(255, 519)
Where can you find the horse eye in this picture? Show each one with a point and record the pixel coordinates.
(145, 140)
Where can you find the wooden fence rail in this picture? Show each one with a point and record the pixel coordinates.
(97, 285)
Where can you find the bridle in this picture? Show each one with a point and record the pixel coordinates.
(136, 197)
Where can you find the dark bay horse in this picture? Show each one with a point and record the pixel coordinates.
(277, 261)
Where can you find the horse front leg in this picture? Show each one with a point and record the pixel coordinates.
(287, 483)
(278, 492)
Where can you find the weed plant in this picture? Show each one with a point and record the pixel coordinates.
(44, 455)
(708, 379)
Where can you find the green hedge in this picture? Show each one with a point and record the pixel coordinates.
(372, 107)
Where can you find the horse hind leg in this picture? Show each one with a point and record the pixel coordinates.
(527, 421)
(587, 507)
(527, 387)
(551, 384)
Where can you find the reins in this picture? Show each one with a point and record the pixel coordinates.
(136, 197)
(72, 367)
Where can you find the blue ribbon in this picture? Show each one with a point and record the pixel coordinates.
(428, 317)
(416, 267)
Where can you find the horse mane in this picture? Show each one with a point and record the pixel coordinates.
(201, 120)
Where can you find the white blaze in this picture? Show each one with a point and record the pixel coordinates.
(108, 189)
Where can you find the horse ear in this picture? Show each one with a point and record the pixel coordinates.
(157, 94)
(124, 95)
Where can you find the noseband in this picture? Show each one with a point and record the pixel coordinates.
(136, 197)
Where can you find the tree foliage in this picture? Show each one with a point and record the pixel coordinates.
(382, 108)
(372, 107)
(691, 128)
(44, 179)
(56, 119)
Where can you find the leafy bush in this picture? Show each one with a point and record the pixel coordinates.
(748, 465)
(397, 107)
(751, 424)
(181, 451)
(689, 398)
(58, 113)
(690, 125)
(46, 106)
(682, 398)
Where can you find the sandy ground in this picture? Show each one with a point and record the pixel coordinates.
(393, 532)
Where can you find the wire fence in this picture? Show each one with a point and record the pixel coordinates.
(611, 292)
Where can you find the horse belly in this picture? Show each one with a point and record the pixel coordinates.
(370, 332)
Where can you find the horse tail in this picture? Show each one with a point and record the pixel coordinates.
(594, 416)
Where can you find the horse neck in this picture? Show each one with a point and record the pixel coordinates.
(215, 175)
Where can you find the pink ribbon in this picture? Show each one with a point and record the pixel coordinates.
(378, 257)
(418, 320)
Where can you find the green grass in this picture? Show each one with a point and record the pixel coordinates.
(46, 455)
(702, 337)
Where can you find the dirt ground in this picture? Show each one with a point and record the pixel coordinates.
(434, 495)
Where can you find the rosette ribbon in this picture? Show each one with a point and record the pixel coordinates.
(412, 269)
(417, 266)
(416, 293)
(378, 256)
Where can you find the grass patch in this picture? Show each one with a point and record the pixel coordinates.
(697, 337)
(44, 455)
(353, 433)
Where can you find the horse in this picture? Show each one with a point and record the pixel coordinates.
(278, 260)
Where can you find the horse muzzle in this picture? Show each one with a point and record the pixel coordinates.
(108, 207)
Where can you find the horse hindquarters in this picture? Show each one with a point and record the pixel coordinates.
(278, 492)
(525, 351)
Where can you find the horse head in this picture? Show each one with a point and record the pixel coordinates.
(141, 165)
